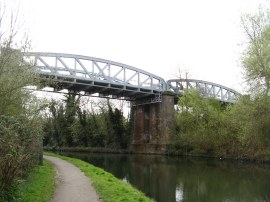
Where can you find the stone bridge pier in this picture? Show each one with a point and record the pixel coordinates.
(154, 125)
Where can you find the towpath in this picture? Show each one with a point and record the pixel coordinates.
(72, 184)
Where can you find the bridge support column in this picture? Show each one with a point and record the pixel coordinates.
(154, 125)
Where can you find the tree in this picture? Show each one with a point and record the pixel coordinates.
(256, 58)
(83, 131)
(202, 124)
(20, 133)
(62, 126)
(256, 63)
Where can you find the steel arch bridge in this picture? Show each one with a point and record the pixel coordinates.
(205, 88)
(95, 75)
(108, 78)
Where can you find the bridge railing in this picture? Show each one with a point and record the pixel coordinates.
(96, 72)
(206, 89)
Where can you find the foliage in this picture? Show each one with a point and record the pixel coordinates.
(39, 184)
(109, 188)
(256, 58)
(205, 127)
(18, 154)
(129, 127)
(20, 132)
(68, 124)
(252, 117)
(14, 75)
(116, 122)
(199, 123)
(242, 129)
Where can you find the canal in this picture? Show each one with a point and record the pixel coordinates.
(177, 179)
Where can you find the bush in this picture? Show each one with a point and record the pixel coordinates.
(20, 144)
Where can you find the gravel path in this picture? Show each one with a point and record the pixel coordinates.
(72, 184)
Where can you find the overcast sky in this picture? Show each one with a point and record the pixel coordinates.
(159, 36)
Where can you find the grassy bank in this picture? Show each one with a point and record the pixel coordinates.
(87, 150)
(259, 156)
(109, 188)
(39, 185)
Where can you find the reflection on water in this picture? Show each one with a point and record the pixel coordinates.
(175, 179)
(179, 193)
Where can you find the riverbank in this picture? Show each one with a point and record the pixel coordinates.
(87, 150)
(72, 184)
(174, 178)
(260, 156)
(109, 188)
(38, 186)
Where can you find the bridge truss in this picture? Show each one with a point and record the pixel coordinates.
(94, 75)
(205, 88)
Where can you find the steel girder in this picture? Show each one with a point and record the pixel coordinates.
(205, 88)
(95, 75)
(92, 75)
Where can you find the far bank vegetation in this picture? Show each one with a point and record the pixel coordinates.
(242, 130)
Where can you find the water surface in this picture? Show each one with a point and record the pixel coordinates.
(177, 179)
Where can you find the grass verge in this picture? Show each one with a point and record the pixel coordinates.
(39, 185)
(109, 188)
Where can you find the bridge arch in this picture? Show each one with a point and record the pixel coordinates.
(207, 89)
(95, 75)
(108, 78)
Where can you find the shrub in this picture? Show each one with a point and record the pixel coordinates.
(20, 144)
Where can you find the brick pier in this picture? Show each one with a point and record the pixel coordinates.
(154, 125)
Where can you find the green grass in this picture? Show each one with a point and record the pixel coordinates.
(39, 186)
(109, 188)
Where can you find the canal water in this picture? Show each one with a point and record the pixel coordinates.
(177, 179)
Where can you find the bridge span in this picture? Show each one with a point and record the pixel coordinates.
(94, 75)
(108, 78)
(152, 97)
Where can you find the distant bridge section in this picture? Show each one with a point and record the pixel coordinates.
(206, 89)
(95, 75)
